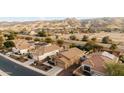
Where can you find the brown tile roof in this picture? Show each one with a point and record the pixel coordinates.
(73, 52)
(71, 56)
(97, 62)
(45, 49)
(21, 44)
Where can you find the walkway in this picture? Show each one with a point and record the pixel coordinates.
(29, 62)
(2, 73)
(22, 64)
(54, 71)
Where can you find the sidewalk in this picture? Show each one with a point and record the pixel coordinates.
(2, 73)
(29, 62)
(22, 64)
(54, 71)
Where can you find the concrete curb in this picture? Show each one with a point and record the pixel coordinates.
(29, 67)
(3, 73)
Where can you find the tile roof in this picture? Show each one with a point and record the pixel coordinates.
(73, 52)
(71, 56)
(97, 61)
(21, 44)
(45, 49)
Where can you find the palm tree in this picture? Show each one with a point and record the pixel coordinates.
(121, 57)
(114, 69)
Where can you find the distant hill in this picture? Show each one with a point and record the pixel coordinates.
(94, 24)
(115, 23)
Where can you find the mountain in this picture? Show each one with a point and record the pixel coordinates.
(92, 24)
(30, 25)
(104, 23)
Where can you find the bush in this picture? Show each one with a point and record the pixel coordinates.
(36, 39)
(88, 46)
(60, 42)
(28, 38)
(72, 45)
(42, 34)
(85, 38)
(11, 37)
(92, 46)
(106, 40)
(56, 36)
(73, 37)
(9, 44)
(94, 39)
(48, 40)
(113, 47)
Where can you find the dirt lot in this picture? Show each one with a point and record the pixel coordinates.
(116, 37)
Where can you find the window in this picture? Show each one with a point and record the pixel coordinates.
(87, 68)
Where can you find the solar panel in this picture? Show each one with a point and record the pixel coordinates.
(106, 54)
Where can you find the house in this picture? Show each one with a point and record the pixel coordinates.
(117, 52)
(95, 64)
(42, 52)
(21, 46)
(67, 58)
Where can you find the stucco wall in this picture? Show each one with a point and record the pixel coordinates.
(23, 51)
(45, 55)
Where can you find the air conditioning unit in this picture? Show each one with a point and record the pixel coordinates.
(86, 70)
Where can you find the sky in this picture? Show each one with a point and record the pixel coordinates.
(10, 19)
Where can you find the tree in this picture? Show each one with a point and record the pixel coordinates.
(85, 38)
(36, 39)
(73, 37)
(114, 69)
(97, 47)
(71, 32)
(9, 44)
(48, 40)
(28, 38)
(113, 47)
(60, 42)
(94, 39)
(11, 36)
(88, 46)
(56, 36)
(106, 40)
(42, 34)
(72, 45)
(92, 46)
(121, 57)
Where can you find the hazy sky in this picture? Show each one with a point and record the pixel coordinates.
(34, 18)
